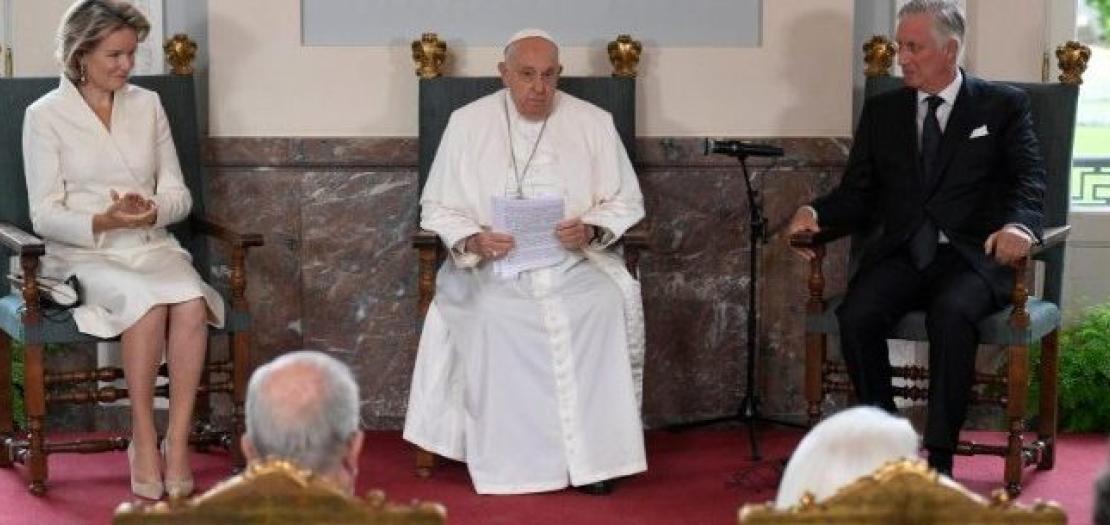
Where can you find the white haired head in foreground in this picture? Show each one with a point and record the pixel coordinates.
(837, 451)
(304, 407)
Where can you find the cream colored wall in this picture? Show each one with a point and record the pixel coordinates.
(1006, 38)
(264, 83)
(36, 22)
(33, 36)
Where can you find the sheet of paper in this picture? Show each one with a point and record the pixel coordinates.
(531, 222)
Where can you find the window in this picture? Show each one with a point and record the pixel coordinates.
(1090, 183)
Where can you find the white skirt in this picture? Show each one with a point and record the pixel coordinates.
(528, 381)
(119, 286)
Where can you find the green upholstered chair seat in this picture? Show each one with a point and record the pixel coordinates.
(59, 327)
(995, 329)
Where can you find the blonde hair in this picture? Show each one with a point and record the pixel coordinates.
(86, 23)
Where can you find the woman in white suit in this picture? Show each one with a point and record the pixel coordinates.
(103, 181)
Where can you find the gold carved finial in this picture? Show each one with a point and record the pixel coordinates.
(180, 52)
(1072, 57)
(8, 65)
(878, 53)
(429, 53)
(624, 54)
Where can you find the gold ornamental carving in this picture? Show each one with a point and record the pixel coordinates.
(180, 52)
(624, 54)
(878, 54)
(905, 491)
(6, 57)
(429, 53)
(1072, 58)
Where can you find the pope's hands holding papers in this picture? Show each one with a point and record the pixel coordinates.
(490, 245)
(533, 220)
(573, 234)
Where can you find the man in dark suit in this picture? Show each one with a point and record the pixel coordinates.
(949, 169)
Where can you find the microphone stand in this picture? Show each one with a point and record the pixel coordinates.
(748, 411)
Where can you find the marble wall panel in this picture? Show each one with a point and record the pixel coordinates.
(264, 201)
(695, 293)
(359, 275)
(338, 273)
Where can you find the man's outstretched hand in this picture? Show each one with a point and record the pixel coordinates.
(803, 221)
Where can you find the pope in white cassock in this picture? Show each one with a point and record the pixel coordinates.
(533, 381)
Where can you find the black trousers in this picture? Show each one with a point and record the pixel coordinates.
(954, 297)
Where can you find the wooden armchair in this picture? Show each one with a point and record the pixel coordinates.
(277, 492)
(1026, 321)
(440, 96)
(905, 492)
(22, 319)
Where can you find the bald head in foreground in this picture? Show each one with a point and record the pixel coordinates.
(303, 407)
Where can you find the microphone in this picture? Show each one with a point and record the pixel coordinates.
(741, 149)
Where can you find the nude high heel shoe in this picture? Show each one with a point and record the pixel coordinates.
(143, 489)
(176, 488)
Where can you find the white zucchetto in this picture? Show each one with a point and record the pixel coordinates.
(530, 33)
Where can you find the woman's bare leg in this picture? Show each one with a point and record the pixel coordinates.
(185, 351)
(142, 346)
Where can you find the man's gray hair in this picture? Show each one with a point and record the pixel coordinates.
(948, 19)
(303, 407)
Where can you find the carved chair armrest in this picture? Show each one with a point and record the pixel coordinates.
(29, 248)
(816, 239)
(816, 242)
(636, 237)
(1019, 294)
(424, 239)
(1051, 238)
(21, 242)
(239, 243)
(428, 247)
(226, 234)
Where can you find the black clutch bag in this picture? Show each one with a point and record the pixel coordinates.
(54, 294)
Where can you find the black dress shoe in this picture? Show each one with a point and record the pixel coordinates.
(941, 461)
(600, 488)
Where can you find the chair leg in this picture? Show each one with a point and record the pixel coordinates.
(816, 345)
(1018, 389)
(35, 402)
(7, 424)
(1046, 429)
(241, 369)
(425, 463)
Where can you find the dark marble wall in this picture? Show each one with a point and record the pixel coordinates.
(338, 273)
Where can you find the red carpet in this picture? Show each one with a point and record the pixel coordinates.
(690, 481)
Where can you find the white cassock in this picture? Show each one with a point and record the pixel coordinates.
(72, 164)
(533, 382)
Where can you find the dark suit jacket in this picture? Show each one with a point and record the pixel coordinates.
(984, 183)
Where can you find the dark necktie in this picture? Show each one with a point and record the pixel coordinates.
(930, 140)
(923, 245)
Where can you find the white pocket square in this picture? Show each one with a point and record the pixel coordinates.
(980, 131)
